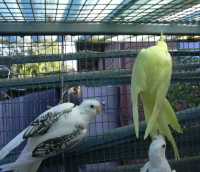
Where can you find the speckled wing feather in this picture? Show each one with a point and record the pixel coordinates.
(54, 146)
(41, 124)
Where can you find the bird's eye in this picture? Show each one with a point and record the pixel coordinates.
(92, 106)
(163, 146)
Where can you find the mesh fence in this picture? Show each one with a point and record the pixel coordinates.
(104, 11)
(40, 71)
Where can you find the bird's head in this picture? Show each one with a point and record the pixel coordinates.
(162, 43)
(157, 148)
(74, 90)
(91, 107)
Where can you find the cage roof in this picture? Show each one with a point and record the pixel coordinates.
(101, 11)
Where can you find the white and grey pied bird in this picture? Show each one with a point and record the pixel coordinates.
(157, 159)
(58, 129)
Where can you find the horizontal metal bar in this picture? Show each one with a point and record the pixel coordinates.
(188, 164)
(68, 56)
(190, 66)
(93, 28)
(93, 78)
(121, 143)
(7, 60)
(84, 78)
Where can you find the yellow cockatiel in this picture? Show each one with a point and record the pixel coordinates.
(150, 80)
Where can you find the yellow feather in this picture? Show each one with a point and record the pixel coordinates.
(151, 79)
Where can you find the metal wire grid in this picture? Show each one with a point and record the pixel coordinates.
(112, 69)
(29, 56)
(28, 102)
(100, 11)
(40, 45)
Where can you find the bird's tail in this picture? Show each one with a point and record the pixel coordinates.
(12, 145)
(20, 166)
(168, 117)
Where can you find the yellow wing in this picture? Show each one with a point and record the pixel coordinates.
(137, 86)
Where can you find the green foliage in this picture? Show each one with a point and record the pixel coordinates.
(35, 69)
(183, 96)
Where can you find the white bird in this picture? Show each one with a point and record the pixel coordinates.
(157, 159)
(58, 129)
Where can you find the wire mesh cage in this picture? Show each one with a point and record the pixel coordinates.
(118, 11)
(44, 68)
(68, 51)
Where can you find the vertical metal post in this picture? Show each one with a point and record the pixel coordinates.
(62, 68)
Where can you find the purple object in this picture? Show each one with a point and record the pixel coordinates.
(17, 113)
(108, 120)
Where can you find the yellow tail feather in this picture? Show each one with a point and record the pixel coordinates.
(171, 116)
(165, 131)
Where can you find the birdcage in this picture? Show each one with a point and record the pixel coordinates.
(60, 51)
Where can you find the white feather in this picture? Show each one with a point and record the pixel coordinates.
(79, 115)
(145, 167)
(157, 159)
(19, 138)
(12, 145)
(59, 108)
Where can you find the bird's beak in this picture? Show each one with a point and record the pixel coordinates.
(98, 109)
